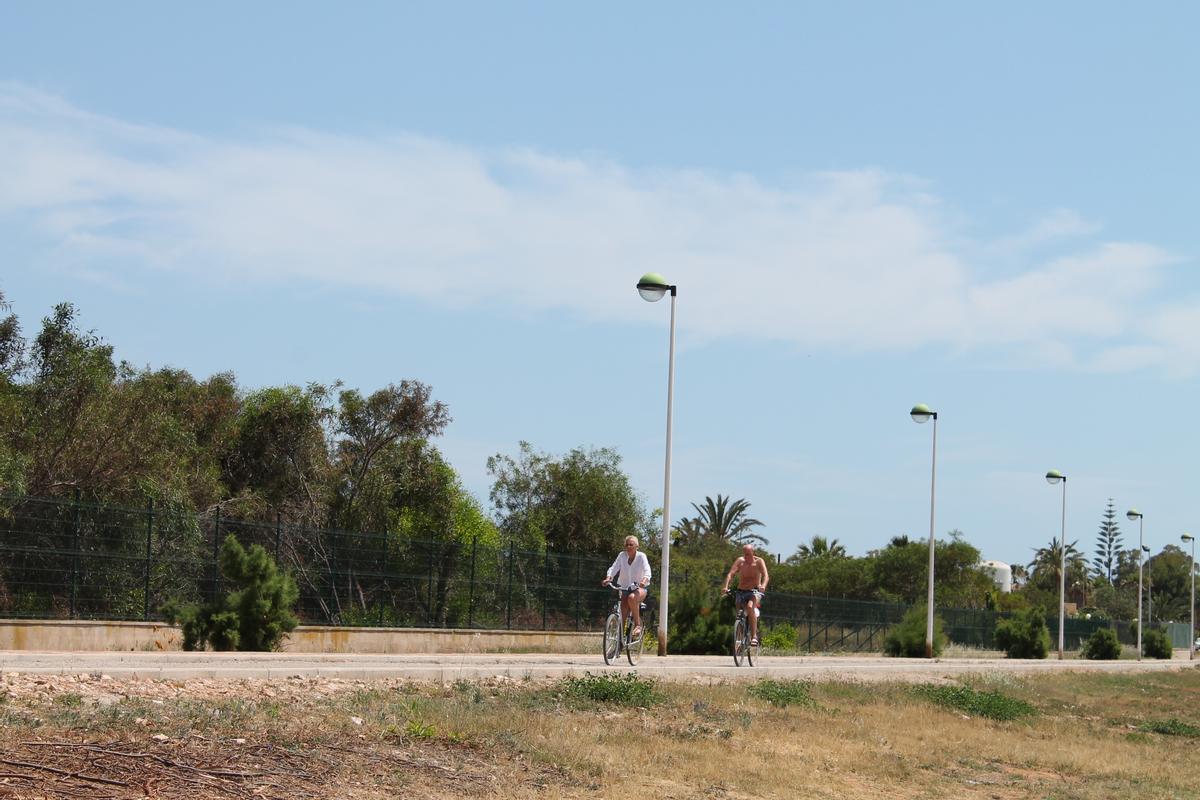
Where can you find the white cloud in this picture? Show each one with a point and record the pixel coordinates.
(858, 260)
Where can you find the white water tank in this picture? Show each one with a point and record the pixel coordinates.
(1001, 573)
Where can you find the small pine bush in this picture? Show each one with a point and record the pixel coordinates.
(253, 615)
(1024, 634)
(1155, 644)
(701, 620)
(1102, 646)
(782, 636)
(906, 639)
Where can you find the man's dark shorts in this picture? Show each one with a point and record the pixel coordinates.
(743, 595)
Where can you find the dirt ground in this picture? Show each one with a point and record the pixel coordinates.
(92, 736)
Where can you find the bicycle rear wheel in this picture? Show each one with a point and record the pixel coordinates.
(612, 638)
(739, 640)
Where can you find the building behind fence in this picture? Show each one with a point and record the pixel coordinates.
(74, 560)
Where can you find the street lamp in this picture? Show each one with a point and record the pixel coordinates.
(1053, 477)
(1187, 537)
(1149, 588)
(1131, 515)
(653, 287)
(921, 414)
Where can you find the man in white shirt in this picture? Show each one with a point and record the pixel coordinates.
(631, 568)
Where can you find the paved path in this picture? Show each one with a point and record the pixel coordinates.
(178, 666)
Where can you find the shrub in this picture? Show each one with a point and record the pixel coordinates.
(1102, 645)
(782, 693)
(625, 690)
(907, 638)
(1024, 634)
(781, 636)
(253, 615)
(992, 705)
(1155, 644)
(701, 621)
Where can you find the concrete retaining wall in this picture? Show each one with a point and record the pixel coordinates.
(80, 635)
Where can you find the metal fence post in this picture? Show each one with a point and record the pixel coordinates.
(545, 585)
(149, 533)
(471, 595)
(216, 567)
(430, 620)
(75, 532)
(578, 587)
(508, 601)
(384, 575)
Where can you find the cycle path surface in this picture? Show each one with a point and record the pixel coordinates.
(452, 667)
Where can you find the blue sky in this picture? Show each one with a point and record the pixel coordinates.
(991, 210)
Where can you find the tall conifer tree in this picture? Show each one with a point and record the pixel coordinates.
(1108, 544)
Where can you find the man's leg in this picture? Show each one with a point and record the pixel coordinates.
(750, 605)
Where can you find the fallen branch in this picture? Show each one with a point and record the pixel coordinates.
(64, 773)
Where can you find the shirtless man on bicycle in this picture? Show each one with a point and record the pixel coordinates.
(752, 585)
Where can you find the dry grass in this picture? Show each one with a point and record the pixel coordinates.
(361, 740)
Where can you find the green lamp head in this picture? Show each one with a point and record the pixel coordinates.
(921, 413)
(652, 287)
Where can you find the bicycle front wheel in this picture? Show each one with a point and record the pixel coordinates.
(751, 647)
(612, 638)
(739, 640)
(633, 650)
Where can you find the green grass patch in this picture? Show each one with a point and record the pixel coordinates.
(1171, 727)
(783, 693)
(624, 690)
(992, 705)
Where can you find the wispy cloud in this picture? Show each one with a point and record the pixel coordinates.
(860, 260)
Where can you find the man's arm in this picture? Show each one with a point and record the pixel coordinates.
(729, 575)
(764, 578)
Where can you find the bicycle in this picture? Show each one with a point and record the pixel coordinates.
(744, 648)
(617, 630)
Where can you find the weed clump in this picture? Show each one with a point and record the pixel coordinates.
(992, 705)
(907, 638)
(1102, 646)
(1171, 727)
(624, 690)
(783, 693)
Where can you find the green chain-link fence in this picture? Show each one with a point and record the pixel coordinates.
(74, 560)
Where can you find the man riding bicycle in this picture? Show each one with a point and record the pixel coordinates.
(631, 568)
(752, 586)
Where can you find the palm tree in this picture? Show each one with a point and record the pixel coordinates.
(1049, 557)
(1046, 560)
(727, 521)
(820, 547)
(687, 532)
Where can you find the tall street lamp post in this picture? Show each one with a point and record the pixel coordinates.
(653, 287)
(1131, 515)
(1053, 477)
(1187, 537)
(1149, 588)
(921, 414)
